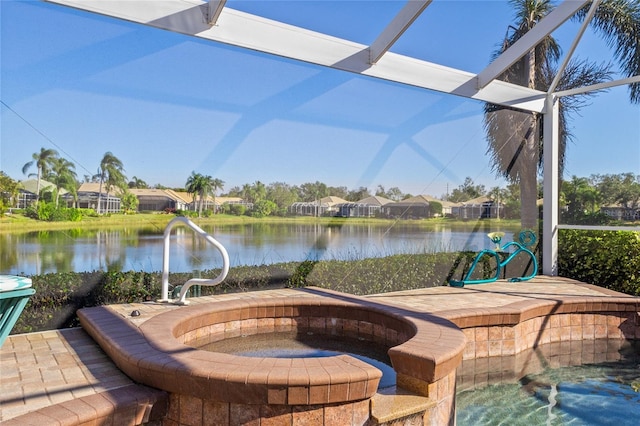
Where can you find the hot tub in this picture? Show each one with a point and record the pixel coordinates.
(424, 351)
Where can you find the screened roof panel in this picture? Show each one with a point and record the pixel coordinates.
(357, 21)
(449, 33)
(274, 37)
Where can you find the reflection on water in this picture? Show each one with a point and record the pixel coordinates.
(567, 383)
(140, 249)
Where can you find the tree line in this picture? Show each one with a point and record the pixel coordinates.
(51, 167)
(581, 198)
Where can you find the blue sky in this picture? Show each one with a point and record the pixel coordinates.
(168, 104)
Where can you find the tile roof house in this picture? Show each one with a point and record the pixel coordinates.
(367, 207)
(322, 207)
(412, 208)
(152, 199)
(447, 206)
(478, 208)
(90, 192)
(27, 191)
(375, 200)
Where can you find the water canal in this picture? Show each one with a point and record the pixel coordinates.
(140, 249)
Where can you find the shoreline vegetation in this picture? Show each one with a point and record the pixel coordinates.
(59, 295)
(17, 223)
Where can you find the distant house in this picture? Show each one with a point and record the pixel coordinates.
(332, 204)
(326, 206)
(412, 208)
(151, 199)
(367, 207)
(27, 191)
(210, 202)
(619, 212)
(375, 201)
(221, 201)
(447, 206)
(183, 199)
(190, 201)
(356, 210)
(89, 194)
(478, 208)
(307, 208)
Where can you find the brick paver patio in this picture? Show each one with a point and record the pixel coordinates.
(54, 368)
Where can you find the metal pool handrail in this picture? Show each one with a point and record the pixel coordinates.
(199, 281)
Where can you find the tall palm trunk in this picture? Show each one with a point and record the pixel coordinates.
(529, 196)
(38, 186)
(99, 197)
(529, 164)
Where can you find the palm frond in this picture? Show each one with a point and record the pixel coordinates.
(618, 23)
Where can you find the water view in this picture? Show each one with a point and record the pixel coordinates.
(141, 249)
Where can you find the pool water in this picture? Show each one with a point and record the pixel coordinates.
(306, 345)
(600, 393)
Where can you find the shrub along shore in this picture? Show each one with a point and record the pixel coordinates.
(59, 295)
(610, 259)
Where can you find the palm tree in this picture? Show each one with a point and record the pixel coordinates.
(247, 193)
(8, 192)
(63, 175)
(618, 22)
(216, 184)
(136, 182)
(580, 196)
(206, 189)
(110, 174)
(497, 196)
(515, 137)
(259, 191)
(623, 189)
(193, 185)
(43, 160)
(200, 185)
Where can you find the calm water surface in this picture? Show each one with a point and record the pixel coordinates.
(141, 249)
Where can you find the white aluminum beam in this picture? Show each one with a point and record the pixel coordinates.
(551, 188)
(600, 228)
(546, 26)
(254, 32)
(574, 45)
(599, 86)
(215, 8)
(396, 28)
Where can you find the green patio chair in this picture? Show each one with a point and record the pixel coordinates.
(14, 295)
